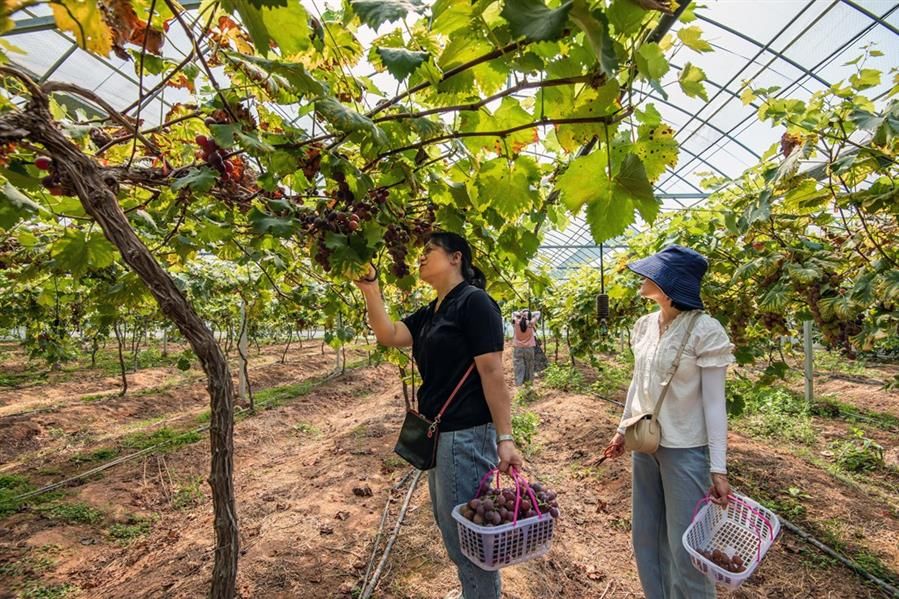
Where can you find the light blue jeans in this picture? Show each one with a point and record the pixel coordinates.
(463, 457)
(666, 487)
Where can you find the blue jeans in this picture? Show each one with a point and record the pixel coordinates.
(463, 457)
(666, 487)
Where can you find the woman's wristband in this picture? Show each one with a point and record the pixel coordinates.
(501, 438)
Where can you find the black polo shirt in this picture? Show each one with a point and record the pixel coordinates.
(444, 345)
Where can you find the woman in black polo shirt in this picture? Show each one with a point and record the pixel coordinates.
(463, 325)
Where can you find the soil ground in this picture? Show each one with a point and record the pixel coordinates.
(144, 528)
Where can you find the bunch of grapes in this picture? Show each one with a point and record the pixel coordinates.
(397, 238)
(53, 181)
(231, 169)
(788, 143)
(5, 151)
(497, 506)
(311, 162)
(733, 564)
(774, 322)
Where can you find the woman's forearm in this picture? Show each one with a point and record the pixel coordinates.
(715, 409)
(628, 404)
(380, 322)
(497, 395)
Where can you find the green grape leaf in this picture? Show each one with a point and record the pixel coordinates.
(506, 187)
(277, 226)
(651, 61)
(609, 215)
(286, 24)
(595, 26)
(76, 253)
(649, 116)
(533, 20)
(15, 206)
(450, 16)
(692, 38)
(625, 16)
(297, 76)
(401, 62)
(632, 179)
(375, 13)
(200, 180)
(349, 121)
(573, 183)
(656, 148)
(691, 79)
(865, 79)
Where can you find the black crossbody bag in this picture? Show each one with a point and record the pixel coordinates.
(419, 436)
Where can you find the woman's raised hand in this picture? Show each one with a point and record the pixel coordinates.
(369, 281)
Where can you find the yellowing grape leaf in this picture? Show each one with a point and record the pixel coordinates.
(691, 79)
(84, 19)
(657, 148)
(692, 38)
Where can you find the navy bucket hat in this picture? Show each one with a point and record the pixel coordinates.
(678, 272)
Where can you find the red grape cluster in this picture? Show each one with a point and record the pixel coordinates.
(5, 150)
(231, 168)
(397, 237)
(497, 506)
(311, 162)
(52, 182)
(343, 214)
(731, 564)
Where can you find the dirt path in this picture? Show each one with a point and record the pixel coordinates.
(77, 423)
(306, 534)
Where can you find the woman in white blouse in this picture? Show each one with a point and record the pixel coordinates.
(691, 458)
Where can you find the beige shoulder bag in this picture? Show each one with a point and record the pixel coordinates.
(643, 431)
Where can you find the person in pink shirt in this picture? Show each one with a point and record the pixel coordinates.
(524, 343)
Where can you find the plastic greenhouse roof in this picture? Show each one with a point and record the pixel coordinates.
(799, 45)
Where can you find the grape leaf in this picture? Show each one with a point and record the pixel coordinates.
(632, 178)
(198, 179)
(656, 148)
(450, 16)
(84, 19)
(595, 26)
(533, 20)
(691, 79)
(375, 13)
(651, 62)
(263, 223)
(287, 25)
(625, 16)
(692, 38)
(14, 206)
(76, 253)
(609, 215)
(299, 78)
(507, 188)
(865, 79)
(583, 180)
(349, 121)
(401, 62)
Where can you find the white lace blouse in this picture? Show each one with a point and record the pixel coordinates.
(694, 412)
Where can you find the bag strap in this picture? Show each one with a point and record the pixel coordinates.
(439, 416)
(673, 370)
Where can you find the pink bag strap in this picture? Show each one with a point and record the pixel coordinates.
(433, 428)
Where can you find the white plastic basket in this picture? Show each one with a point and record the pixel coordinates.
(495, 547)
(744, 527)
